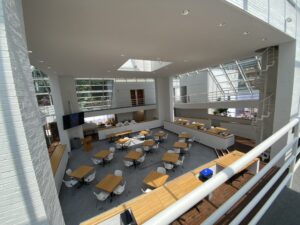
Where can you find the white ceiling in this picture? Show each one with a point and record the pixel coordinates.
(87, 38)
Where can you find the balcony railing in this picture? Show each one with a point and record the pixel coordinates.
(289, 153)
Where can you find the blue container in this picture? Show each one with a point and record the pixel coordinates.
(205, 174)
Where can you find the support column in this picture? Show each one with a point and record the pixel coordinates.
(165, 99)
(28, 192)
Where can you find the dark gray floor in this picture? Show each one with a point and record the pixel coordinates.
(286, 208)
(80, 204)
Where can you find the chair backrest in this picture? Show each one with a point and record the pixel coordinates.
(142, 159)
(138, 150)
(101, 196)
(118, 146)
(146, 148)
(118, 173)
(146, 190)
(110, 156)
(112, 149)
(70, 183)
(128, 163)
(170, 151)
(90, 177)
(183, 132)
(168, 166)
(181, 140)
(156, 138)
(127, 143)
(165, 136)
(156, 145)
(161, 170)
(177, 150)
(96, 161)
(68, 171)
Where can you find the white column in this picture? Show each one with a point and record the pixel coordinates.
(164, 99)
(28, 192)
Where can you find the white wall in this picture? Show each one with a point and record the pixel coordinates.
(121, 96)
(27, 194)
(242, 130)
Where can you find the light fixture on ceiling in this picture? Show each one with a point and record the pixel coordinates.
(185, 12)
(185, 60)
(288, 19)
(221, 24)
(41, 61)
(49, 67)
(122, 55)
(245, 33)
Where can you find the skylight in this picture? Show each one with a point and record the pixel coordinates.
(140, 65)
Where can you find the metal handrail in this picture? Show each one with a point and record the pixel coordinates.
(182, 205)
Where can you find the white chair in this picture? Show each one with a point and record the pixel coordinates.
(146, 148)
(102, 196)
(68, 172)
(132, 122)
(120, 189)
(156, 146)
(109, 157)
(118, 173)
(138, 150)
(181, 140)
(126, 123)
(183, 132)
(177, 150)
(168, 166)
(147, 190)
(127, 163)
(142, 159)
(127, 144)
(156, 138)
(180, 161)
(161, 170)
(118, 146)
(170, 151)
(70, 183)
(112, 149)
(90, 177)
(96, 161)
(165, 137)
(191, 140)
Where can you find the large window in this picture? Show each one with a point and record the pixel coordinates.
(94, 94)
(42, 88)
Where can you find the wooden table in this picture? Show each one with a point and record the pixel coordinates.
(102, 154)
(160, 134)
(80, 172)
(122, 141)
(180, 145)
(109, 183)
(134, 156)
(155, 179)
(144, 132)
(118, 134)
(185, 135)
(149, 143)
(170, 157)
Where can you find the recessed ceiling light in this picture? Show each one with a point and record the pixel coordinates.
(221, 24)
(245, 33)
(49, 67)
(185, 12)
(185, 60)
(29, 51)
(264, 39)
(41, 61)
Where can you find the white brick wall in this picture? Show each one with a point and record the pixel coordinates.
(27, 189)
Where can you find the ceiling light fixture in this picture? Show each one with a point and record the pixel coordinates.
(185, 12)
(41, 61)
(122, 55)
(49, 67)
(185, 60)
(245, 33)
(221, 24)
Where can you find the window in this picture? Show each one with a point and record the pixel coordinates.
(42, 88)
(94, 94)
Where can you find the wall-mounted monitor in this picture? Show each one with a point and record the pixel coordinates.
(73, 120)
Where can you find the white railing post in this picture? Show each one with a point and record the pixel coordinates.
(294, 154)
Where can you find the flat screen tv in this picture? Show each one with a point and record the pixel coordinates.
(73, 120)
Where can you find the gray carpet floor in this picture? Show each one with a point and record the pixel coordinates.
(80, 204)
